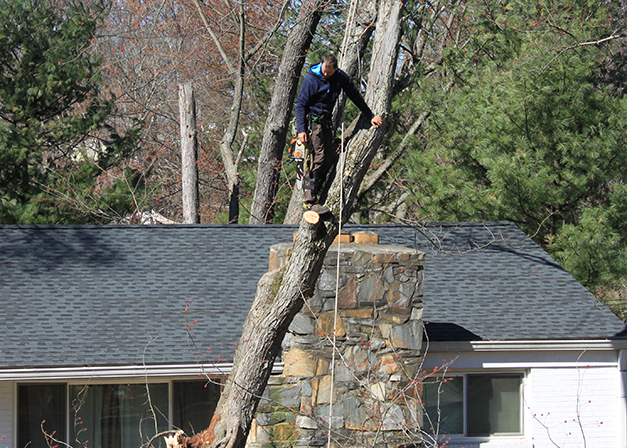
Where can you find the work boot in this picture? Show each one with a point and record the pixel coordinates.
(309, 184)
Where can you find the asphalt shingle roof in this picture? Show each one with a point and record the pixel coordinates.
(125, 295)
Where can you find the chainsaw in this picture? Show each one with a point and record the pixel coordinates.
(298, 152)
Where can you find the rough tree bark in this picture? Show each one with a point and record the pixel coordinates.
(281, 292)
(189, 154)
(295, 207)
(281, 105)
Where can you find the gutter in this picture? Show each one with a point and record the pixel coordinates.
(120, 372)
(530, 345)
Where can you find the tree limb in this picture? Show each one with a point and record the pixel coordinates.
(225, 57)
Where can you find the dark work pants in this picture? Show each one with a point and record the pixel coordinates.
(324, 157)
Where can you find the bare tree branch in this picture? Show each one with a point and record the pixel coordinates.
(225, 57)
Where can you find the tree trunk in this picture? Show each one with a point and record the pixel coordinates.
(363, 140)
(230, 160)
(281, 292)
(189, 154)
(281, 105)
(295, 207)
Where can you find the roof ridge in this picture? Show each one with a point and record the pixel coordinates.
(243, 226)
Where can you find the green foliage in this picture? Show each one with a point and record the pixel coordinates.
(49, 104)
(592, 249)
(528, 135)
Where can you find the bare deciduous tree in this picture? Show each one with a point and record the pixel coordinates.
(230, 157)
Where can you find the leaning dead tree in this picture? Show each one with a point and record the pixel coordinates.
(281, 292)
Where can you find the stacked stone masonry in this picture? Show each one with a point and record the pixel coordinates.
(370, 389)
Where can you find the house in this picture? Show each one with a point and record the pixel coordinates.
(94, 316)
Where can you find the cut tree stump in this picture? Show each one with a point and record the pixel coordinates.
(311, 217)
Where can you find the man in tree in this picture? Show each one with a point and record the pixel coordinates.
(314, 107)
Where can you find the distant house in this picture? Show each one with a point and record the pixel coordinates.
(93, 316)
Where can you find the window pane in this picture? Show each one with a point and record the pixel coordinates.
(494, 404)
(194, 403)
(36, 403)
(445, 396)
(117, 415)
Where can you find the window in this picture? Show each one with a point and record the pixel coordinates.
(112, 415)
(445, 396)
(40, 406)
(117, 415)
(494, 404)
(193, 404)
(474, 405)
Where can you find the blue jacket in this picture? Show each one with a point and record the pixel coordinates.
(317, 95)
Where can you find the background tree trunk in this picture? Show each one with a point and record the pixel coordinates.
(281, 105)
(189, 154)
(281, 292)
(230, 158)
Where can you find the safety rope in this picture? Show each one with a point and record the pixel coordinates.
(337, 286)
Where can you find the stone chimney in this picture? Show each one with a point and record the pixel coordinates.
(370, 388)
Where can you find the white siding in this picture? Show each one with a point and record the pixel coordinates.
(7, 414)
(565, 405)
(571, 392)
